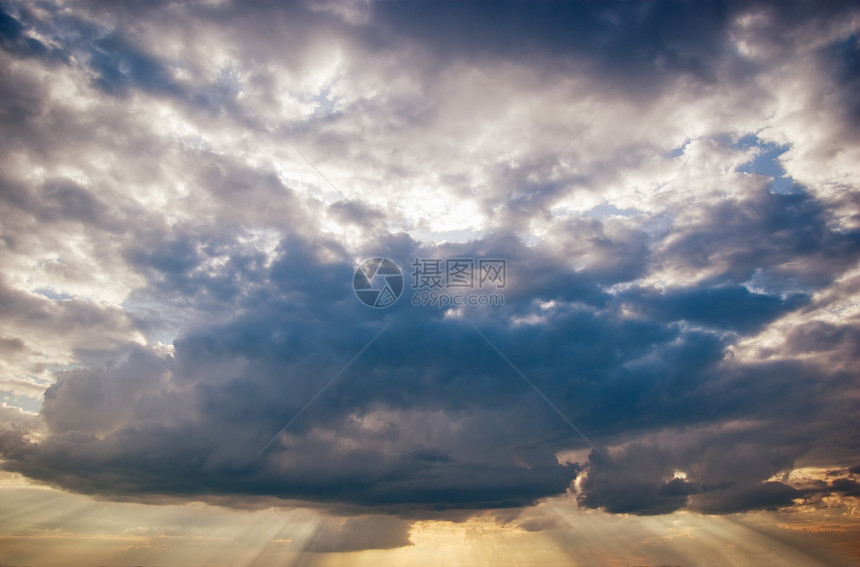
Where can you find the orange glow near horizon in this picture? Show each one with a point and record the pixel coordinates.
(44, 527)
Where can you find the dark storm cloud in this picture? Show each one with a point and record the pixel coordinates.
(641, 484)
(429, 417)
(765, 496)
(232, 386)
(770, 422)
(359, 533)
(231, 249)
(726, 469)
(720, 307)
(782, 239)
(634, 45)
(225, 400)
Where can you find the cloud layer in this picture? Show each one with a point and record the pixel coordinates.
(186, 189)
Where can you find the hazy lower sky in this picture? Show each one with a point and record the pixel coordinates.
(654, 207)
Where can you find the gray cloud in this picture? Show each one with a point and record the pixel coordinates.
(362, 532)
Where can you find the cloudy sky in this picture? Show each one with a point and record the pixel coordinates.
(187, 376)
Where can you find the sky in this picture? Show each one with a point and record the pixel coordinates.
(420, 283)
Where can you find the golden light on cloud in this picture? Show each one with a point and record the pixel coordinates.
(46, 528)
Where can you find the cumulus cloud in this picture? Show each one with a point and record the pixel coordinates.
(185, 199)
